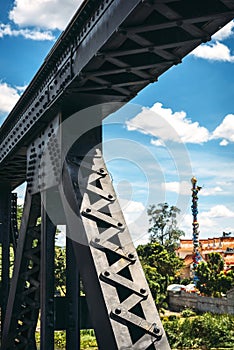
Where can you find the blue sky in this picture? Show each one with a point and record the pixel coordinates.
(181, 126)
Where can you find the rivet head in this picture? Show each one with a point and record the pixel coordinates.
(97, 240)
(117, 311)
(107, 273)
(131, 256)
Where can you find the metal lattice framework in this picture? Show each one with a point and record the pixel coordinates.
(110, 50)
(128, 310)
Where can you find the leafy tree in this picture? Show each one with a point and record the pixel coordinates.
(160, 267)
(164, 225)
(212, 280)
(60, 269)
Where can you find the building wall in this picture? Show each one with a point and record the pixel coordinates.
(182, 300)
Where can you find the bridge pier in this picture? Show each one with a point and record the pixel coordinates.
(110, 51)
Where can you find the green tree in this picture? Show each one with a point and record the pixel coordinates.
(60, 269)
(212, 280)
(160, 267)
(163, 220)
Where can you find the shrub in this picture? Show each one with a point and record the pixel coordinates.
(188, 313)
(206, 332)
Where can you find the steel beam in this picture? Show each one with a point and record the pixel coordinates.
(14, 221)
(23, 301)
(5, 226)
(73, 299)
(97, 27)
(47, 289)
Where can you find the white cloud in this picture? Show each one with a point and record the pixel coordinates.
(211, 223)
(131, 209)
(158, 143)
(6, 30)
(223, 143)
(137, 220)
(50, 14)
(21, 89)
(214, 51)
(183, 187)
(212, 191)
(218, 211)
(225, 130)
(166, 125)
(224, 32)
(8, 97)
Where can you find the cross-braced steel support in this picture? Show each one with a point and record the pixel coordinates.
(120, 303)
(5, 214)
(99, 248)
(24, 296)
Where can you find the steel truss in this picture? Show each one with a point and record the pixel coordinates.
(122, 310)
(119, 299)
(109, 52)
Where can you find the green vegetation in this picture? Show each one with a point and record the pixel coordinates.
(158, 258)
(87, 341)
(185, 332)
(160, 267)
(200, 332)
(164, 228)
(212, 280)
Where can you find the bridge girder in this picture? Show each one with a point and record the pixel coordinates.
(110, 51)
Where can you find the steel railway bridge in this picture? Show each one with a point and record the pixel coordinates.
(110, 50)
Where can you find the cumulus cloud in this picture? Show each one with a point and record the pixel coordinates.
(211, 223)
(21, 89)
(158, 143)
(136, 219)
(223, 143)
(8, 97)
(6, 30)
(214, 51)
(184, 188)
(131, 209)
(224, 32)
(225, 130)
(49, 14)
(212, 191)
(166, 125)
(218, 211)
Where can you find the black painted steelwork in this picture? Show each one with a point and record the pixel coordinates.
(5, 227)
(110, 50)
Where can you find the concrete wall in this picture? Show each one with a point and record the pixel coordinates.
(179, 301)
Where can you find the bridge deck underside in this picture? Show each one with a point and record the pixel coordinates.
(153, 37)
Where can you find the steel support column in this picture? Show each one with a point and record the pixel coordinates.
(121, 307)
(5, 224)
(73, 299)
(48, 230)
(23, 301)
